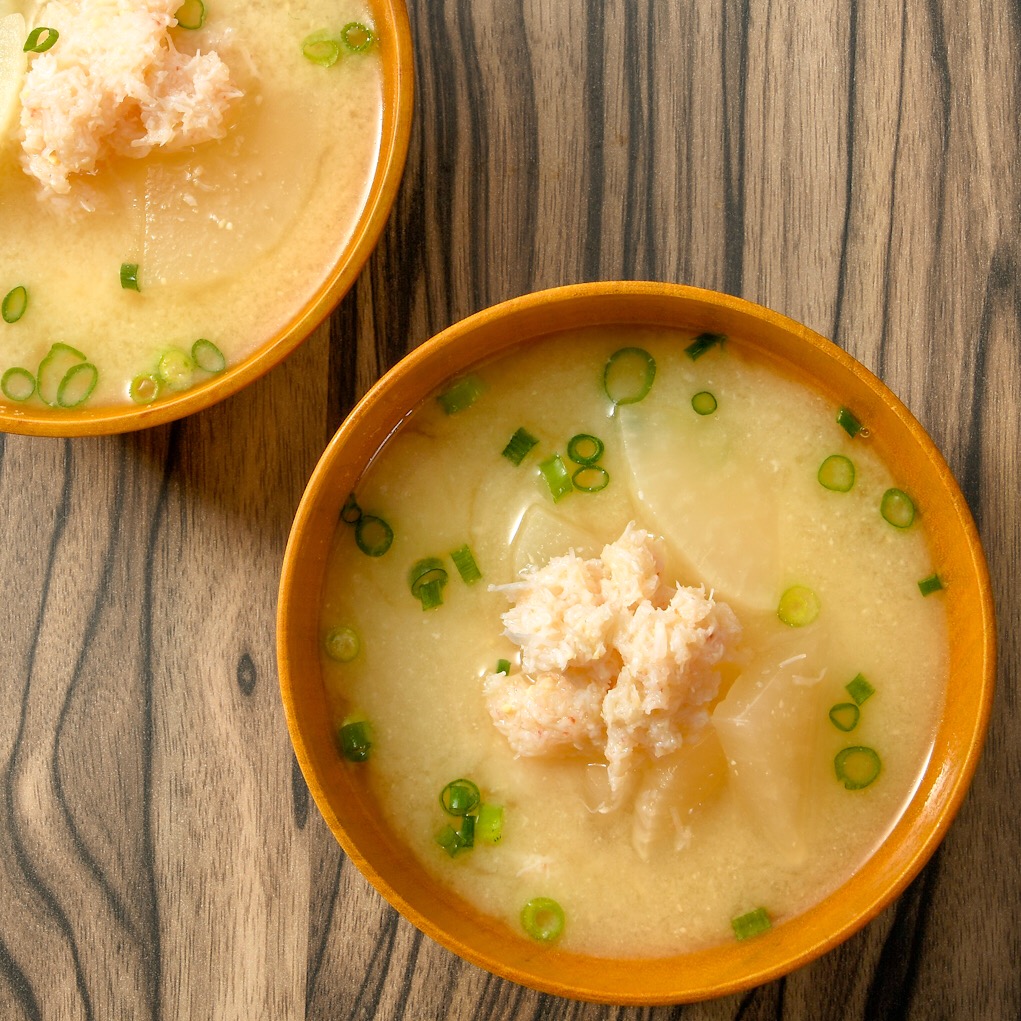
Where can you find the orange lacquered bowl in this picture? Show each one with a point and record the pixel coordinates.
(391, 868)
(390, 18)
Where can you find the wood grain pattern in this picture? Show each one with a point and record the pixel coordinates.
(851, 165)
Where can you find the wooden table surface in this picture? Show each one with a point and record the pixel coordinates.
(852, 165)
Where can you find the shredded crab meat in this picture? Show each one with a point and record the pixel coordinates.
(114, 83)
(612, 659)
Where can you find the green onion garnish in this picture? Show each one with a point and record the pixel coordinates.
(848, 421)
(859, 689)
(466, 831)
(554, 471)
(754, 923)
(40, 39)
(704, 403)
(629, 375)
(460, 797)
(355, 739)
(350, 513)
(897, 508)
(320, 49)
(53, 369)
(357, 37)
(14, 304)
(591, 478)
(702, 343)
(191, 14)
(460, 395)
(129, 276)
(144, 388)
(175, 369)
(342, 644)
(519, 445)
(447, 839)
(373, 536)
(77, 385)
(543, 919)
(503, 666)
(489, 824)
(464, 561)
(856, 767)
(207, 356)
(585, 449)
(798, 606)
(426, 580)
(934, 583)
(844, 716)
(836, 473)
(431, 594)
(17, 384)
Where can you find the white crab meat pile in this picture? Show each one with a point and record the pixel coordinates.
(114, 83)
(612, 658)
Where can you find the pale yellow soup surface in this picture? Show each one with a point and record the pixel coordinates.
(728, 490)
(232, 237)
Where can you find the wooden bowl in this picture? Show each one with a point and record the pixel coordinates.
(395, 47)
(907, 450)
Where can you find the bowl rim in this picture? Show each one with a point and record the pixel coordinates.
(397, 59)
(915, 835)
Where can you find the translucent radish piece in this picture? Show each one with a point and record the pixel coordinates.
(13, 62)
(542, 534)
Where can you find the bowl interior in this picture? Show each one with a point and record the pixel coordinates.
(904, 446)
(397, 63)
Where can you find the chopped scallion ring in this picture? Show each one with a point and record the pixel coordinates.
(77, 385)
(14, 304)
(543, 919)
(144, 388)
(191, 14)
(175, 369)
(702, 343)
(844, 716)
(373, 535)
(461, 394)
(449, 839)
(466, 566)
(519, 445)
(629, 375)
(934, 583)
(704, 403)
(859, 689)
(489, 824)
(426, 580)
(357, 37)
(503, 666)
(555, 473)
(207, 356)
(754, 923)
(591, 478)
(40, 39)
(129, 276)
(350, 513)
(355, 738)
(849, 422)
(56, 364)
(585, 449)
(342, 644)
(17, 384)
(431, 594)
(836, 474)
(320, 49)
(857, 767)
(460, 797)
(897, 508)
(798, 606)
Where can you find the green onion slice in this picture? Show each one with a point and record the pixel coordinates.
(503, 666)
(844, 716)
(17, 384)
(859, 689)
(629, 375)
(460, 797)
(556, 476)
(175, 369)
(144, 388)
(350, 513)
(798, 606)
(342, 644)
(14, 304)
(461, 394)
(431, 594)
(591, 478)
(425, 572)
(357, 37)
(702, 343)
(836, 473)
(897, 508)
(754, 923)
(449, 840)
(373, 536)
(585, 449)
(466, 566)
(77, 385)
(543, 919)
(40, 39)
(704, 403)
(320, 49)
(355, 737)
(489, 824)
(849, 422)
(519, 445)
(934, 583)
(207, 356)
(56, 364)
(191, 14)
(857, 767)
(129, 276)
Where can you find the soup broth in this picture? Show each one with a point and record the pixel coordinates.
(762, 806)
(228, 238)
